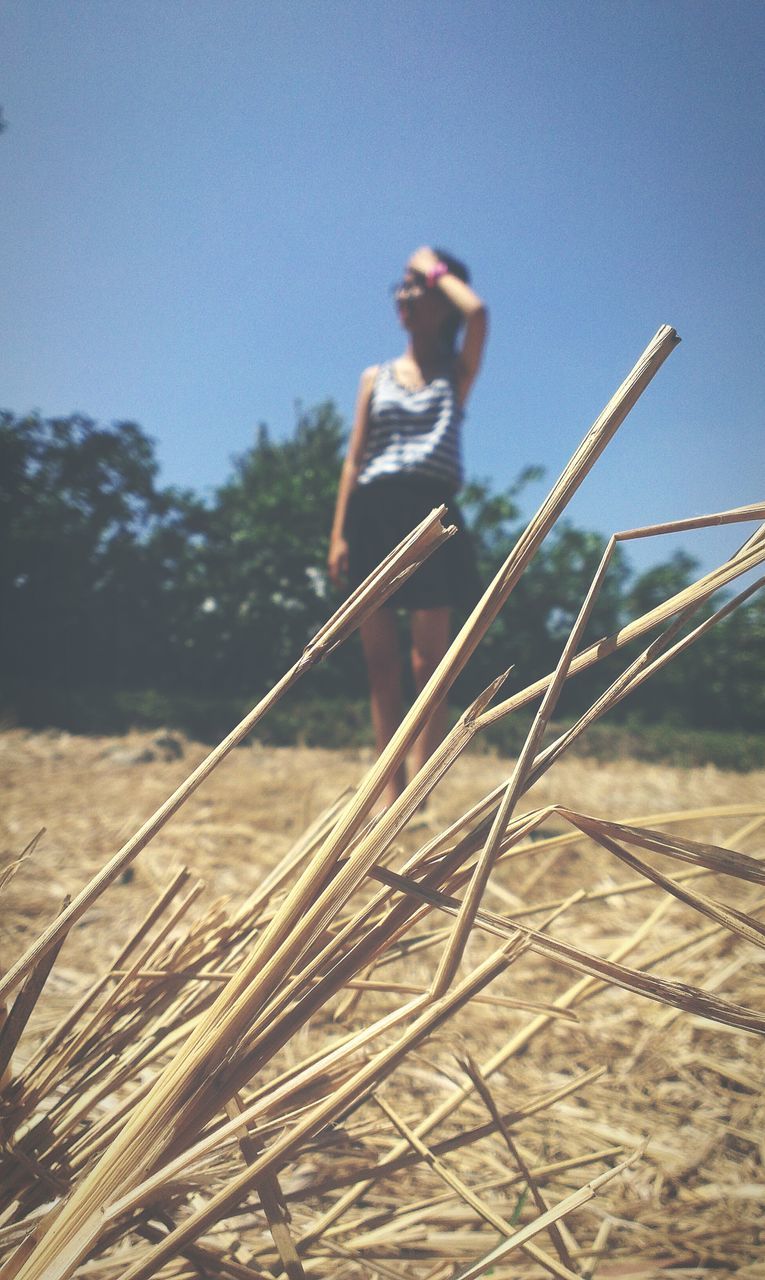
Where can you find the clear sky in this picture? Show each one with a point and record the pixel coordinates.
(205, 201)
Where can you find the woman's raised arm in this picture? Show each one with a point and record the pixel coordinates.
(474, 311)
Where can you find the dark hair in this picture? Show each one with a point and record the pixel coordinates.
(453, 323)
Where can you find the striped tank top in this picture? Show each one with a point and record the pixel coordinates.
(413, 433)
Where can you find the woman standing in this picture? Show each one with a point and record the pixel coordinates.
(404, 459)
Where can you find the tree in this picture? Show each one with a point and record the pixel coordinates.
(80, 514)
(530, 631)
(266, 552)
(109, 580)
(731, 679)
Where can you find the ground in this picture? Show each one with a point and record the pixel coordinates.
(690, 1086)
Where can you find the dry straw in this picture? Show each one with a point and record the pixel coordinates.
(181, 1119)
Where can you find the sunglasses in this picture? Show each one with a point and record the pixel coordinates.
(406, 290)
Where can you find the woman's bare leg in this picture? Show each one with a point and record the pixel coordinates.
(379, 638)
(431, 633)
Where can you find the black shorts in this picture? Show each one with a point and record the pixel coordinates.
(380, 514)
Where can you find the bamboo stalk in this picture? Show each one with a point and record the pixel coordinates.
(694, 1000)
(474, 1072)
(425, 1020)
(48, 1055)
(271, 1199)
(281, 944)
(687, 598)
(466, 1193)
(12, 1028)
(644, 666)
(515, 787)
(374, 591)
(572, 1202)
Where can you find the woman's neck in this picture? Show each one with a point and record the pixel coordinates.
(427, 355)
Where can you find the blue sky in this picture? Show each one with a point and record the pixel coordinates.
(205, 202)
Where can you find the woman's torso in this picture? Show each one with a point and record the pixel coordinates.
(413, 432)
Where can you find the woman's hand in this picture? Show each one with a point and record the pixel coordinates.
(423, 260)
(337, 561)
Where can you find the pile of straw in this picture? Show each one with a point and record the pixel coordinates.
(294, 1084)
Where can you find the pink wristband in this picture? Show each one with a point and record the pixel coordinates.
(435, 273)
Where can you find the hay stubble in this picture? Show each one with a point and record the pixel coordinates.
(364, 1062)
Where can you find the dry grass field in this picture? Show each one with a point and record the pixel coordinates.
(259, 1028)
(691, 1205)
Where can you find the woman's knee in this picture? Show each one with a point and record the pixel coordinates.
(382, 655)
(430, 640)
(384, 670)
(425, 659)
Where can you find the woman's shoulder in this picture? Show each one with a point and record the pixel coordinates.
(371, 372)
(367, 383)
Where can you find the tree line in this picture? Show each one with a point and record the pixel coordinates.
(111, 581)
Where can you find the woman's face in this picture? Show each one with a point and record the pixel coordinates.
(419, 308)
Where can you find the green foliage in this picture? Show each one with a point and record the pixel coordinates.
(93, 549)
(529, 632)
(339, 722)
(109, 582)
(266, 551)
(654, 743)
(728, 665)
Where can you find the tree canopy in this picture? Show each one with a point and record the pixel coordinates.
(110, 580)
